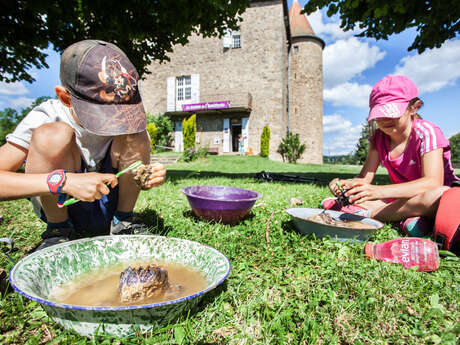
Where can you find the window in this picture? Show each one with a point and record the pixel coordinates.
(236, 41)
(232, 39)
(184, 88)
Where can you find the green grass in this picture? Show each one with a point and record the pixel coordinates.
(290, 289)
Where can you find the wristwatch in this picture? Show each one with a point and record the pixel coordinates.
(56, 180)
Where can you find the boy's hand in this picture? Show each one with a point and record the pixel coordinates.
(88, 186)
(157, 176)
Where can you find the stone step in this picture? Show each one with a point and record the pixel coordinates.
(164, 159)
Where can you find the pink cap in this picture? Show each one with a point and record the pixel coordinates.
(390, 97)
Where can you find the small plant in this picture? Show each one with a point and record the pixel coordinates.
(265, 142)
(152, 130)
(193, 153)
(189, 131)
(290, 148)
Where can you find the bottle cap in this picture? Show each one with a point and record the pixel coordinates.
(369, 250)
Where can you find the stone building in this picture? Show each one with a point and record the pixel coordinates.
(269, 72)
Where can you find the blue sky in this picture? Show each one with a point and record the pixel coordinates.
(351, 66)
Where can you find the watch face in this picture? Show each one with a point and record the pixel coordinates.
(55, 178)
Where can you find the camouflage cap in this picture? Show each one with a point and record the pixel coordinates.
(103, 86)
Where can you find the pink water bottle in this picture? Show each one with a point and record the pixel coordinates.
(408, 251)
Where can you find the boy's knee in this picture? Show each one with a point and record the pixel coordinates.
(52, 138)
(137, 142)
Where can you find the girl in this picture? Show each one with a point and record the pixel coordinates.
(415, 153)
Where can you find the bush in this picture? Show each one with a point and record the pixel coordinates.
(164, 127)
(152, 130)
(290, 148)
(191, 154)
(265, 142)
(189, 131)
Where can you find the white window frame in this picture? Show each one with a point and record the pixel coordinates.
(232, 39)
(183, 91)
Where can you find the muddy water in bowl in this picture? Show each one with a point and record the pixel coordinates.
(325, 218)
(102, 288)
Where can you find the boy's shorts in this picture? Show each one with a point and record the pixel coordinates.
(90, 218)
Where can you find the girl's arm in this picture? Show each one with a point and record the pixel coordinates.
(370, 165)
(365, 176)
(432, 177)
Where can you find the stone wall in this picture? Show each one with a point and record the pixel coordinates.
(306, 96)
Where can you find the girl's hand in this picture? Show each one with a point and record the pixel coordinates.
(88, 186)
(360, 191)
(157, 176)
(335, 188)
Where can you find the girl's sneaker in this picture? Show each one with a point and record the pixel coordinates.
(333, 204)
(416, 226)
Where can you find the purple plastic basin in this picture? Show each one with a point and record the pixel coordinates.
(220, 203)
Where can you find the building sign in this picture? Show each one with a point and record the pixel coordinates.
(206, 106)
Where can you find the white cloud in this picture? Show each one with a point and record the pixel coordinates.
(348, 58)
(328, 31)
(16, 88)
(433, 69)
(20, 102)
(340, 136)
(348, 94)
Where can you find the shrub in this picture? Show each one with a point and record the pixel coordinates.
(265, 142)
(189, 131)
(290, 148)
(164, 127)
(455, 148)
(191, 154)
(152, 130)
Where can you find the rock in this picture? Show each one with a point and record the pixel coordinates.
(295, 202)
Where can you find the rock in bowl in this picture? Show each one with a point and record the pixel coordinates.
(341, 225)
(37, 276)
(220, 203)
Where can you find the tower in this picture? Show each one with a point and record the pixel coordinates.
(305, 75)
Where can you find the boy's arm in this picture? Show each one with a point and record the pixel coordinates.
(17, 185)
(86, 187)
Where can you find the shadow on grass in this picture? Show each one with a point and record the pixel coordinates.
(154, 221)
(189, 214)
(318, 178)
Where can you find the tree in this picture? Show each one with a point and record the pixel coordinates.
(455, 148)
(436, 21)
(164, 129)
(189, 132)
(363, 145)
(9, 118)
(143, 29)
(290, 148)
(265, 142)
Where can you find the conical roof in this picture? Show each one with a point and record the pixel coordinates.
(298, 22)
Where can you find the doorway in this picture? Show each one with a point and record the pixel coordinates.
(236, 133)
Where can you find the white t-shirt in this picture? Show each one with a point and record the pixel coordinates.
(93, 147)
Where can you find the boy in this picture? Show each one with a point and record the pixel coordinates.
(74, 145)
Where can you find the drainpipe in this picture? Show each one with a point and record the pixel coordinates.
(288, 91)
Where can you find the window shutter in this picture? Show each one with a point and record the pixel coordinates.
(171, 94)
(228, 39)
(195, 88)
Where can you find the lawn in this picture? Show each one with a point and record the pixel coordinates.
(284, 288)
